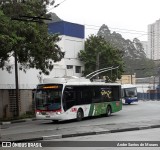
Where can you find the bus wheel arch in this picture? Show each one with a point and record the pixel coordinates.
(108, 110)
(80, 114)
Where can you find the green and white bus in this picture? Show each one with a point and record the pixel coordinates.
(75, 98)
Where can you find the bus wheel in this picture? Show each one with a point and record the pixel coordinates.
(79, 114)
(108, 111)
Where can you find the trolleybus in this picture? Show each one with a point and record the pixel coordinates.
(75, 98)
(129, 93)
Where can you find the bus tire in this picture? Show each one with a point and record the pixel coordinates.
(108, 111)
(80, 115)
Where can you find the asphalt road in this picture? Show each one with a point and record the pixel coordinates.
(141, 115)
(132, 140)
(142, 111)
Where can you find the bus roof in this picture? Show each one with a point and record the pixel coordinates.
(75, 81)
(128, 85)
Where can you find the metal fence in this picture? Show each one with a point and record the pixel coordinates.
(149, 95)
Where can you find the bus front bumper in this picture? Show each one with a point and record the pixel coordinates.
(131, 100)
(55, 116)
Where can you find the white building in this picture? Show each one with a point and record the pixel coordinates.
(146, 50)
(154, 40)
(72, 41)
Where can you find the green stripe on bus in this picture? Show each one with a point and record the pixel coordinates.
(91, 110)
(97, 109)
(100, 108)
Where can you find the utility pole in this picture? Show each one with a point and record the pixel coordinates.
(97, 64)
(159, 83)
(131, 79)
(28, 19)
(37, 19)
(16, 83)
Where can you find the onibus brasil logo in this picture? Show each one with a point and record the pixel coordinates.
(17, 144)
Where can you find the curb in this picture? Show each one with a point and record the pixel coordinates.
(52, 137)
(17, 121)
(78, 134)
(109, 131)
(100, 132)
(124, 130)
(155, 126)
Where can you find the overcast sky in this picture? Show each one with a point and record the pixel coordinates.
(116, 14)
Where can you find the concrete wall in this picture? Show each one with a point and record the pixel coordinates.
(4, 104)
(26, 101)
(8, 103)
(127, 79)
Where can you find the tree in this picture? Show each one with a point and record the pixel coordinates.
(143, 67)
(23, 33)
(99, 54)
(24, 36)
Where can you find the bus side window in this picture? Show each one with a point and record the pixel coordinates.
(86, 95)
(83, 95)
(78, 97)
(122, 93)
(116, 93)
(96, 97)
(69, 95)
(106, 94)
(68, 99)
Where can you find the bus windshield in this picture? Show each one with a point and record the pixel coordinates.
(130, 92)
(48, 97)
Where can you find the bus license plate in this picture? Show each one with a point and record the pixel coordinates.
(47, 116)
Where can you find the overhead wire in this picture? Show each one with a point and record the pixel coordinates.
(54, 6)
(120, 30)
(116, 28)
(140, 33)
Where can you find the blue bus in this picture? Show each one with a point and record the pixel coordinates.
(129, 93)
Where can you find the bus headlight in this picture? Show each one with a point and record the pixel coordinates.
(38, 113)
(58, 113)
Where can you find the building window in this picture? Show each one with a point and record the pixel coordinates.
(69, 67)
(78, 69)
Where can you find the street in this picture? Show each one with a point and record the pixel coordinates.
(143, 137)
(140, 139)
(95, 64)
(143, 115)
(143, 111)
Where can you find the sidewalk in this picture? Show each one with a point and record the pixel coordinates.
(80, 131)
